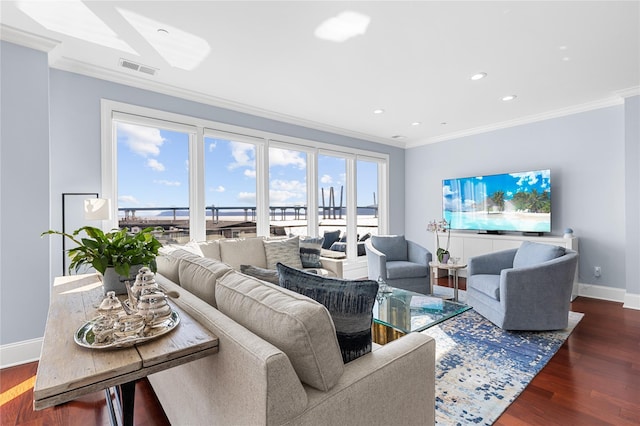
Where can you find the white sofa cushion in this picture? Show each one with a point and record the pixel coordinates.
(297, 325)
(199, 274)
(242, 251)
(168, 261)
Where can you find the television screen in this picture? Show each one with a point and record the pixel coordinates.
(503, 202)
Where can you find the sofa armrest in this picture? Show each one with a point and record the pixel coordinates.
(394, 384)
(333, 265)
(376, 261)
(545, 287)
(418, 254)
(491, 263)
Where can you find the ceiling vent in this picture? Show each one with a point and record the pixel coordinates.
(124, 63)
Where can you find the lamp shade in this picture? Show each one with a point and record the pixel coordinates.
(97, 209)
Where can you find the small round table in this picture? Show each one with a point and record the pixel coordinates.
(454, 267)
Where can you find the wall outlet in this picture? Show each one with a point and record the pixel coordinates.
(597, 271)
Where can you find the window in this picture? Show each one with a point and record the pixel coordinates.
(203, 180)
(287, 192)
(153, 179)
(230, 187)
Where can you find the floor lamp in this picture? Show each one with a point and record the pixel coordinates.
(94, 209)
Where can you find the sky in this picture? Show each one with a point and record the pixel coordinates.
(153, 171)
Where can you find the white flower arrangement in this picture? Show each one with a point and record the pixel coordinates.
(436, 227)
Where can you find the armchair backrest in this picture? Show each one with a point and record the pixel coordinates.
(532, 253)
(393, 246)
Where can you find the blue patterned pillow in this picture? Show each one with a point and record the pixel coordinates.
(310, 248)
(349, 302)
(330, 238)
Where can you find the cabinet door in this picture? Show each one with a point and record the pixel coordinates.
(499, 245)
(476, 247)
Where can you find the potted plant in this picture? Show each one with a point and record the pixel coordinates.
(436, 227)
(115, 254)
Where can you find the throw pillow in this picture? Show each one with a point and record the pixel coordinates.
(530, 254)
(330, 238)
(394, 246)
(310, 251)
(349, 302)
(298, 326)
(268, 275)
(283, 251)
(365, 237)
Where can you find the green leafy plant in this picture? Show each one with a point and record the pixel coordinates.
(119, 249)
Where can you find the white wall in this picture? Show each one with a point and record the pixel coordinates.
(632, 197)
(24, 193)
(586, 155)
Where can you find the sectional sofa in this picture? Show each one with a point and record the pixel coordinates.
(279, 362)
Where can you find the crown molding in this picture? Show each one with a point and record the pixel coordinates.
(71, 65)
(575, 109)
(26, 39)
(627, 93)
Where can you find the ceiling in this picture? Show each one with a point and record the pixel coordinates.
(414, 61)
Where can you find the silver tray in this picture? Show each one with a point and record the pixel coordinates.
(85, 336)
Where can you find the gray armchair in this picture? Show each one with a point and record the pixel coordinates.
(528, 288)
(400, 262)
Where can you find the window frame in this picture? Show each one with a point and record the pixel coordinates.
(198, 129)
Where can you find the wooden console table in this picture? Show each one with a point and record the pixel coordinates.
(67, 371)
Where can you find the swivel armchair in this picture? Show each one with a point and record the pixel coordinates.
(400, 262)
(528, 288)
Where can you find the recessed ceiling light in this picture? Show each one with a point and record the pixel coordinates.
(444, 123)
(163, 31)
(566, 58)
(342, 27)
(479, 76)
(416, 123)
(398, 137)
(509, 98)
(378, 111)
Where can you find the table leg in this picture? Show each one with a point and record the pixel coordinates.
(455, 285)
(128, 395)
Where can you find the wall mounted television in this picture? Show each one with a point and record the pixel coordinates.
(507, 202)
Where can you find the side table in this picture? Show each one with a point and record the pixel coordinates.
(454, 268)
(67, 371)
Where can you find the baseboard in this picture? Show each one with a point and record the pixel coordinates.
(601, 292)
(20, 352)
(631, 301)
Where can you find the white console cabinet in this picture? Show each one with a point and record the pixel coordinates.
(466, 245)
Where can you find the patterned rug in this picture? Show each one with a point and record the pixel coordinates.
(481, 369)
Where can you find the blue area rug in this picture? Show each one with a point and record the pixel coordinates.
(481, 369)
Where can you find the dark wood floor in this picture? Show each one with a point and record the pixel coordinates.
(594, 379)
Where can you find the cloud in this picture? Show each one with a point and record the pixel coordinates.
(243, 155)
(250, 173)
(128, 199)
(446, 190)
(218, 189)
(289, 185)
(284, 157)
(527, 178)
(144, 141)
(326, 179)
(282, 191)
(155, 165)
(212, 146)
(167, 182)
(276, 197)
(247, 197)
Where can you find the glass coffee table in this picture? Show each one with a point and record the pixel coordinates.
(398, 312)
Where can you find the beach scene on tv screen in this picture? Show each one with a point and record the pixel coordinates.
(503, 202)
